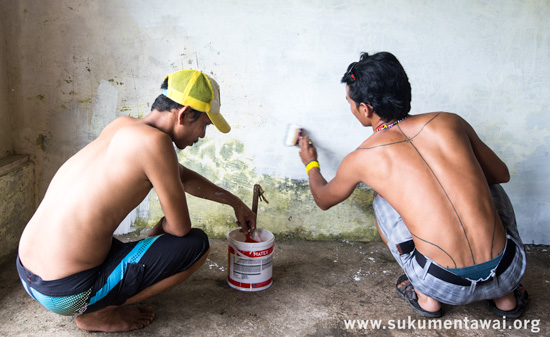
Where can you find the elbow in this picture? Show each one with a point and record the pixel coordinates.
(498, 174)
(502, 177)
(322, 205)
(180, 231)
(506, 174)
(324, 201)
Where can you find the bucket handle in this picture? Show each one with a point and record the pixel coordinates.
(237, 252)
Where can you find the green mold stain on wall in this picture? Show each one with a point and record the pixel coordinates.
(41, 142)
(291, 212)
(16, 206)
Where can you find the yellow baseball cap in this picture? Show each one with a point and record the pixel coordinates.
(200, 92)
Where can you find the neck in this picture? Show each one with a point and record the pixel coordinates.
(382, 125)
(158, 120)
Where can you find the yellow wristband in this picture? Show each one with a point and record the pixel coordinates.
(312, 164)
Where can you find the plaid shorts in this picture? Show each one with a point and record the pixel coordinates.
(494, 286)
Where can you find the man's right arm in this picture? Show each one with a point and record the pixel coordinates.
(198, 186)
(328, 194)
(495, 170)
(161, 168)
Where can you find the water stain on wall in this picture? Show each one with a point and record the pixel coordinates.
(291, 212)
(16, 206)
(41, 141)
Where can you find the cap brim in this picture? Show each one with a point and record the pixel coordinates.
(214, 111)
(220, 122)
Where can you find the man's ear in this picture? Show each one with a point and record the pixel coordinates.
(181, 113)
(366, 110)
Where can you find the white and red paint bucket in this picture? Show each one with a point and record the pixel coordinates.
(250, 264)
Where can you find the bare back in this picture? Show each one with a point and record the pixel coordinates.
(427, 169)
(87, 199)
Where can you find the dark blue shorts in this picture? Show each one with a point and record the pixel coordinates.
(128, 269)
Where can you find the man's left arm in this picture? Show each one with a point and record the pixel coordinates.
(198, 186)
(495, 170)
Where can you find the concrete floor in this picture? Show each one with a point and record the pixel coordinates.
(317, 285)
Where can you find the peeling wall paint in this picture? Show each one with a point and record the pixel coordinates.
(73, 68)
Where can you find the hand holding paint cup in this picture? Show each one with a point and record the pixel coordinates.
(293, 133)
(308, 152)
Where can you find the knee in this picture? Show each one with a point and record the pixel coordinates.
(197, 241)
(185, 248)
(205, 255)
(380, 233)
(200, 239)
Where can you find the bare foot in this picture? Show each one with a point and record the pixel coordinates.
(425, 302)
(507, 302)
(116, 319)
(510, 305)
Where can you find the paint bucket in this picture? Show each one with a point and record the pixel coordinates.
(250, 264)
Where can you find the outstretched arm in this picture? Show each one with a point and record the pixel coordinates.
(327, 194)
(199, 186)
(171, 181)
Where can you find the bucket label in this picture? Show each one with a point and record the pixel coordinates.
(251, 267)
(250, 273)
(258, 253)
(246, 269)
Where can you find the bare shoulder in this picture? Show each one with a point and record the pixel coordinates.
(358, 162)
(134, 132)
(432, 124)
(115, 125)
(133, 141)
(139, 149)
(439, 116)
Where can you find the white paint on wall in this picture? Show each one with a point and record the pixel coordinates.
(142, 211)
(105, 108)
(125, 226)
(281, 62)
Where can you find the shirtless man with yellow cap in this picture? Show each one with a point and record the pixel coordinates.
(68, 259)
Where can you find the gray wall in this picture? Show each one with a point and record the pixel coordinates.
(6, 144)
(16, 201)
(75, 66)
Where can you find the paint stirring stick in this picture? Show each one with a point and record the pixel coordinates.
(258, 194)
